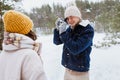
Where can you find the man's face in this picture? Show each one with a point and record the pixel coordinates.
(73, 21)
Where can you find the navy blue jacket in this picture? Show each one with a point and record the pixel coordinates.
(76, 48)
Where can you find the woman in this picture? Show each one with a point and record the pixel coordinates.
(19, 59)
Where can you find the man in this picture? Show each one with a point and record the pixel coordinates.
(77, 36)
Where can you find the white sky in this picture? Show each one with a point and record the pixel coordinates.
(28, 4)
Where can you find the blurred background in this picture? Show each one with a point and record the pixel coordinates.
(104, 16)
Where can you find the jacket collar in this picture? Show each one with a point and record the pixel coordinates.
(84, 23)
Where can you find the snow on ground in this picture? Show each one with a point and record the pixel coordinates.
(51, 55)
(105, 63)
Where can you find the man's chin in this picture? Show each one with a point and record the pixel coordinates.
(72, 26)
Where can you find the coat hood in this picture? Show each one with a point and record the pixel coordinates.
(15, 41)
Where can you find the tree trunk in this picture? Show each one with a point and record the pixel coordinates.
(1, 32)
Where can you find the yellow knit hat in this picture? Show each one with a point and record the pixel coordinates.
(16, 22)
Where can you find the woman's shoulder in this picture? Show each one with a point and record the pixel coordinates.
(26, 52)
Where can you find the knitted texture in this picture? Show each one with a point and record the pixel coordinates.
(17, 22)
(72, 11)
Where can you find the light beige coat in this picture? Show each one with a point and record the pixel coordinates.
(21, 63)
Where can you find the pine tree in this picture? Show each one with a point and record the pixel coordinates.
(3, 7)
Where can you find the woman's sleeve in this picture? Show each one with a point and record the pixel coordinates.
(56, 38)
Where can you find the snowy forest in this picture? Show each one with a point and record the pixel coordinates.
(104, 16)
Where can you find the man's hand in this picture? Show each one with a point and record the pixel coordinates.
(61, 25)
(58, 22)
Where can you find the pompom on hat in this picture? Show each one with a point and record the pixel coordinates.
(16, 22)
(72, 11)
